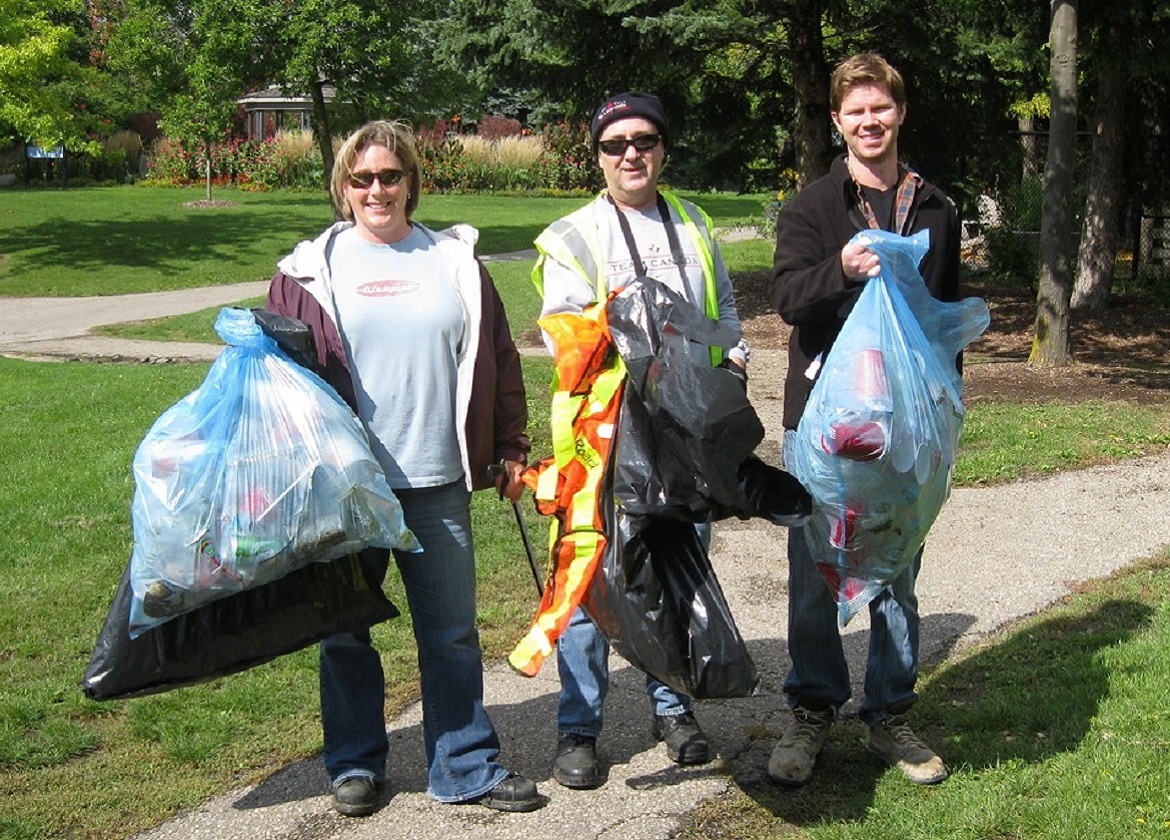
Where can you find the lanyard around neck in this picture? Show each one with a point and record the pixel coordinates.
(671, 237)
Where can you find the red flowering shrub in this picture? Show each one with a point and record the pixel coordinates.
(493, 127)
(292, 160)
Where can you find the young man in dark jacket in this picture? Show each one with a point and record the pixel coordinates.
(817, 277)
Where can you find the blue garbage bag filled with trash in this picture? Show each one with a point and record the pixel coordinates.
(876, 443)
(260, 471)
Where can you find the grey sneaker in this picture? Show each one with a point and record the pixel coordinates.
(894, 742)
(795, 755)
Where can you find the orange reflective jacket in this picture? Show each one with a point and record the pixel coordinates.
(586, 396)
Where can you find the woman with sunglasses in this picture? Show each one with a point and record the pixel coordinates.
(410, 330)
(631, 229)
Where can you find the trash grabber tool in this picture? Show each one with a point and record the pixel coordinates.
(498, 471)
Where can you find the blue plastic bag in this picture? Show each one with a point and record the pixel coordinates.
(876, 443)
(260, 471)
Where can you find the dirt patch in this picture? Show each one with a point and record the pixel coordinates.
(205, 203)
(1119, 354)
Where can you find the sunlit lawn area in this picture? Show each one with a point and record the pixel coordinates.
(1057, 729)
(115, 240)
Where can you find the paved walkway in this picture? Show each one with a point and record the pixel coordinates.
(61, 328)
(995, 554)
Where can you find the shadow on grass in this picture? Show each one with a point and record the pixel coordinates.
(1027, 698)
(169, 244)
(165, 243)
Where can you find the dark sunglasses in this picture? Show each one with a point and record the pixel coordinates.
(618, 145)
(365, 180)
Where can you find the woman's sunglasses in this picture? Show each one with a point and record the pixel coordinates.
(365, 180)
(617, 146)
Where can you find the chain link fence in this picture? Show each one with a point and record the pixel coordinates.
(1001, 229)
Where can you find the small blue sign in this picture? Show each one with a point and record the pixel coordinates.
(33, 152)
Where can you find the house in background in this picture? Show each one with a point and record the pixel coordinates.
(270, 110)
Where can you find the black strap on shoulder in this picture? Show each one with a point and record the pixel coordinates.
(671, 237)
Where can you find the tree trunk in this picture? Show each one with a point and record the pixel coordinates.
(1028, 152)
(810, 82)
(207, 166)
(1050, 345)
(323, 132)
(1099, 234)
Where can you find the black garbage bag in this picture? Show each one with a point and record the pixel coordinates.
(291, 335)
(769, 493)
(682, 455)
(656, 598)
(685, 426)
(237, 632)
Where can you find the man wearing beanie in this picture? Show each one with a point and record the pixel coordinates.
(631, 229)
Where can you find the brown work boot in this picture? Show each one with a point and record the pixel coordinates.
(894, 742)
(795, 755)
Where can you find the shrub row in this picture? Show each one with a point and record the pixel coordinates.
(557, 161)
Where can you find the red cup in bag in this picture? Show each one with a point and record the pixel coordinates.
(869, 382)
(857, 440)
(842, 527)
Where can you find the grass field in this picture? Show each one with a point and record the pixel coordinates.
(1059, 727)
(117, 240)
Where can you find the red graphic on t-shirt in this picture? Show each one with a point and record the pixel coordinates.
(387, 288)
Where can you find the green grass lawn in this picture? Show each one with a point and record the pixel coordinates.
(1056, 729)
(118, 240)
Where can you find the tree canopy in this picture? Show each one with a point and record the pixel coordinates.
(38, 72)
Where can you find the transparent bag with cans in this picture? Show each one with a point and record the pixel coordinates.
(876, 443)
(260, 471)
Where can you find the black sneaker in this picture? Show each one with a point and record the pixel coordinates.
(513, 793)
(576, 762)
(357, 796)
(685, 741)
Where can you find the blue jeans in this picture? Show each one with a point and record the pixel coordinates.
(583, 666)
(819, 672)
(461, 744)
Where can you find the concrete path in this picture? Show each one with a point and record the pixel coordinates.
(61, 328)
(995, 554)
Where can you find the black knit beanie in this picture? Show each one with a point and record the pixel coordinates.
(630, 104)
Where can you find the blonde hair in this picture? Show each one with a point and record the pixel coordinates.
(395, 135)
(866, 68)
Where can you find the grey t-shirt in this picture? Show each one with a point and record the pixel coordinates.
(566, 291)
(403, 325)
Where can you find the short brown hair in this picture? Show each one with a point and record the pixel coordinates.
(396, 136)
(866, 68)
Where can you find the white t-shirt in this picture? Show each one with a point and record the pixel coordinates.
(402, 322)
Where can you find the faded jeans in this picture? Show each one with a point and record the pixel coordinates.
(819, 671)
(462, 747)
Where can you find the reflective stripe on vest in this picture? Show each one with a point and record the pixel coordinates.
(566, 485)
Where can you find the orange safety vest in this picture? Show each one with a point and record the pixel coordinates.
(586, 398)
